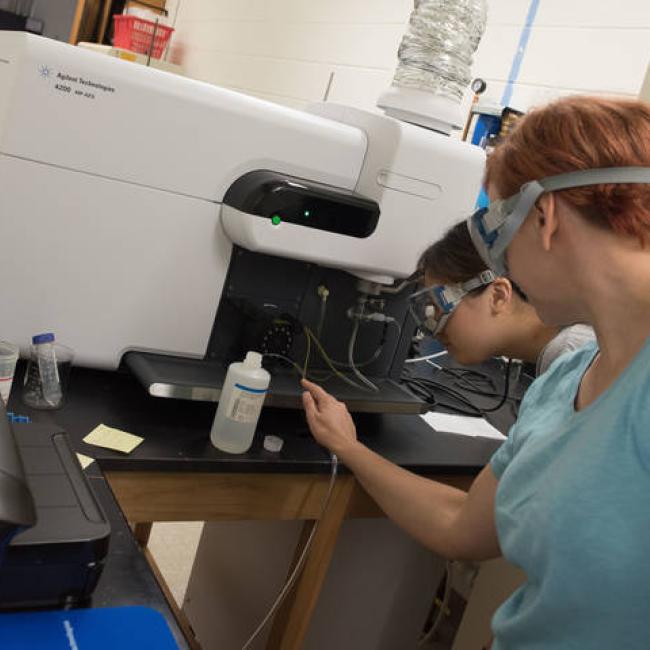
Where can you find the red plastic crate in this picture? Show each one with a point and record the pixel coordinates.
(136, 34)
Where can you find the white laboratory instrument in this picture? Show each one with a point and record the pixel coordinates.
(115, 234)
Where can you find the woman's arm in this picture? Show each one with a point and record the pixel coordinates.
(449, 521)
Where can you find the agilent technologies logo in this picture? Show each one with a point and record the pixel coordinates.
(45, 71)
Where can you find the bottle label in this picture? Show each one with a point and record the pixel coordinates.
(245, 403)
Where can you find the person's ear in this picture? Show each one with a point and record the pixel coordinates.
(500, 292)
(546, 219)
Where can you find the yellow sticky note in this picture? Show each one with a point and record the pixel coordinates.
(84, 460)
(104, 436)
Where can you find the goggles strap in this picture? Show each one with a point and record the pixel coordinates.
(599, 176)
(483, 278)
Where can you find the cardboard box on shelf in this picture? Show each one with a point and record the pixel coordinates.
(127, 55)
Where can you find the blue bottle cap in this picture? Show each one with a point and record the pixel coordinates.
(47, 337)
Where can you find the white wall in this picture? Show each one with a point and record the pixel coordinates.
(583, 46)
(645, 88)
(285, 50)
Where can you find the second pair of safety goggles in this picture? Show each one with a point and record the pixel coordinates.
(432, 306)
(493, 229)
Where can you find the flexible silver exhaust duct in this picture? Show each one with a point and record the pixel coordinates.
(435, 58)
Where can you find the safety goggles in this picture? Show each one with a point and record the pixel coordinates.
(493, 229)
(432, 306)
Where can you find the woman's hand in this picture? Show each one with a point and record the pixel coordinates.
(328, 419)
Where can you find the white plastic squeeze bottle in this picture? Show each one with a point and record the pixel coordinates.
(240, 405)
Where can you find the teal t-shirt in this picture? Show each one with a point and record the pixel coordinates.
(573, 511)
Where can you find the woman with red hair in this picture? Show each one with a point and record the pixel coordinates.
(566, 496)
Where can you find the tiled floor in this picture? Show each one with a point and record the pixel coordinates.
(173, 546)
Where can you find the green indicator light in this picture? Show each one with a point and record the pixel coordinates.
(276, 220)
(307, 213)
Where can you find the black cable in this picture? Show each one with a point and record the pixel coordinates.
(463, 382)
(465, 379)
(424, 388)
(506, 390)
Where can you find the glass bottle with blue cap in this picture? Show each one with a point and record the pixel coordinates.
(42, 382)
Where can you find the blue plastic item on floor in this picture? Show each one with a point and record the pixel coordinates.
(18, 419)
(126, 628)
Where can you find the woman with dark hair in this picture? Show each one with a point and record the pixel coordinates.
(493, 319)
(566, 496)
